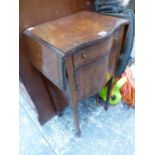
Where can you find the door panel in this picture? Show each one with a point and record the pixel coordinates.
(91, 78)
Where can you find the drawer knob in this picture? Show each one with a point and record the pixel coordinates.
(84, 56)
(116, 38)
(78, 88)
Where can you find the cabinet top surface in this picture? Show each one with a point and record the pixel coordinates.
(74, 30)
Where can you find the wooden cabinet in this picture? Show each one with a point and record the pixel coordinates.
(80, 50)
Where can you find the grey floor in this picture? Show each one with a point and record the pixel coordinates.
(103, 132)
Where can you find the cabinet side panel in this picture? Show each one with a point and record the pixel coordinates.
(45, 60)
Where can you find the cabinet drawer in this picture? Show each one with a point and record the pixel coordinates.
(92, 52)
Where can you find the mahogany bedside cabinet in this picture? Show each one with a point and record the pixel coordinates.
(79, 52)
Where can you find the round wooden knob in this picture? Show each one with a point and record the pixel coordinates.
(84, 56)
(116, 38)
(78, 87)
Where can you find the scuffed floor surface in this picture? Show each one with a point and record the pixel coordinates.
(103, 132)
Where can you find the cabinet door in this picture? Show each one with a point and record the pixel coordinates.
(91, 77)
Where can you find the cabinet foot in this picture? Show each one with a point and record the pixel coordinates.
(106, 106)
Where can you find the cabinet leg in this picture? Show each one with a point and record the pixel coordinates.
(76, 119)
(108, 94)
(60, 113)
(71, 91)
(75, 114)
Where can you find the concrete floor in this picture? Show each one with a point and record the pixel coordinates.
(103, 132)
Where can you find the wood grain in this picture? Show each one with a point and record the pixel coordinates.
(70, 32)
(45, 60)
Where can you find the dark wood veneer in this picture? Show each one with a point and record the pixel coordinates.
(80, 50)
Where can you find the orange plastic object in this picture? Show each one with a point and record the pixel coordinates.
(128, 89)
